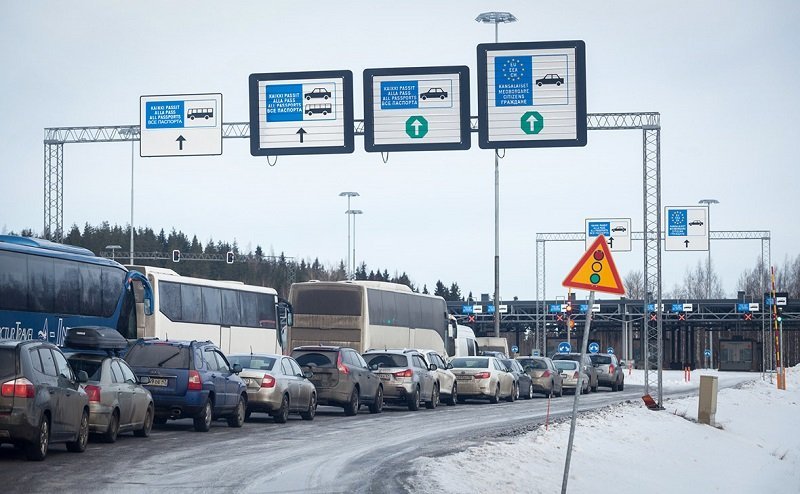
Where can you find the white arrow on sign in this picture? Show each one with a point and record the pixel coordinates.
(531, 121)
(416, 124)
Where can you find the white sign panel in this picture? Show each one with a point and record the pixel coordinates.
(532, 94)
(477, 309)
(416, 109)
(616, 230)
(180, 125)
(754, 307)
(686, 228)
(301, 113)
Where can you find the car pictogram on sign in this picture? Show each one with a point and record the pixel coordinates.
(434, 92)
(619, 229)
(696, 223)
(318, 92)
(550, 79)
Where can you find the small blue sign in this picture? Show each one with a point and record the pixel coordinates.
(742, 307)
(284, 102)
(536, 353)
(769, 301)
(594, 347)
(707, 353)
(677, 308)
(466, 309)
(513, 81)
(676, 223)
(164, 115)
(584, 308)
(610, 350)
(490, 309)
(564, 347)
(651, 307)
(599, 228)
(399, 95)
(554, 308)
(514, 349)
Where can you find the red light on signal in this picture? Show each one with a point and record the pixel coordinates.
(598, 255)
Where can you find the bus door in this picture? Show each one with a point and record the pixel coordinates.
(225, 339)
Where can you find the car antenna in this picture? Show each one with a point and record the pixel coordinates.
(251, 350)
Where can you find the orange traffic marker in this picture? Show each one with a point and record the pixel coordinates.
(596, 270)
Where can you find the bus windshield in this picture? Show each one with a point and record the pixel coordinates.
(344, 301)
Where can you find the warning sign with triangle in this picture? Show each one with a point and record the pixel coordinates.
(596, 270)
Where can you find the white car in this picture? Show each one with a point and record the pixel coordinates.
(483, 377)
(448, 387)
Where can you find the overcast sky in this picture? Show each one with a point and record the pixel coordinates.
(723, 74)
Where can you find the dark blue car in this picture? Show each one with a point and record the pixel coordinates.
(190, 379)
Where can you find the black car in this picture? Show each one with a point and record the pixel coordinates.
(190, 379)
(588, 368)
(41, 399)
(341, 377)
(524, 380)
(550, 79)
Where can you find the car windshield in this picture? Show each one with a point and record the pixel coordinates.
(470, 363)
(159, 355)
(565, 365)
(317, 359)
(91, 364)
(387, 360)
(600, 359)
(256, 362)
(534, 363)
(7, 362)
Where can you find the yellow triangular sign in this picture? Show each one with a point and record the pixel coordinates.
(596, 270)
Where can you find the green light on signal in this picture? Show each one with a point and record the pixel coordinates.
(594, 278)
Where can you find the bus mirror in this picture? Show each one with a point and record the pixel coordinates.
(289, 318)
(148, 307)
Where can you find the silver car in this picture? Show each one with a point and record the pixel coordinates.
(569, 375)
(407, 378)
(546, 379)
(117, 400)
(276, 385)
(483, 377)
(448, 387)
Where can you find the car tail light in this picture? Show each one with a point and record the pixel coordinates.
(404, 373)
(267, 381)
(93, 392)
(611, 369)
(575, 376)
(20, 388)
(195, 383)
(546, 373)
(342, 368)
(482, 375)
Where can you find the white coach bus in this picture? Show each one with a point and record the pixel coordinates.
(236, 317)
(368, 314)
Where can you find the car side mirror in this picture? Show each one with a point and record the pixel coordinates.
(308, 374)
(433, 367)
(237, 368)
(449, 366)
(83, 377)
(144, 380)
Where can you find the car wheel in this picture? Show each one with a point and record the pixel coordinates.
(147, 426)
(453, 396)
(530, 392)
(202, 422)
(558, 83)
(424, 98)
(312, 408)
(622, 385)
(496, 397)
(237, 418)
(79, 444)
(514, 393)
(37, 450)
(614, 386)
(308, 98)
(539, 84)
(377, 403)
(110, 435)
(434, 398)
(282, 414)
(352, 406)
(413, 400)
(325, 97)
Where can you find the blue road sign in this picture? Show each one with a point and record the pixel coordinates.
(677, 308)
(583, 308)
(564, 347)
(514, 349)
(535, 353)
(599, 228)
(676, 223)
(707, 353)
(610, 350)
(466, 309)
(594, 347)
(554, 308)
(742, 307)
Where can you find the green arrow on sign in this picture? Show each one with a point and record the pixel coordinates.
(532, 122)
(416, 127)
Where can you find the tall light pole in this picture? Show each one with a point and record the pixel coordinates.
(354, 212)
(131, 133)
(347, 257)
(709, 202)
(496, 18)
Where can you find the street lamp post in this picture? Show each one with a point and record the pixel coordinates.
(709, 202)
(113, 248)
(496, 18)
(347, 257)
(131, 133)
(354, 212)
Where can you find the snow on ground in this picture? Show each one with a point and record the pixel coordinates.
(627, 448)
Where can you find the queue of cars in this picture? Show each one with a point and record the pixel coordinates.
(51, 394)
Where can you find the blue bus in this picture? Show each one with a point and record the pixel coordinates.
(46, 288)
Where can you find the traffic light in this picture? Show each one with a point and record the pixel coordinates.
(569, 308)
(780, 314)
(229, 257)
(176, 255)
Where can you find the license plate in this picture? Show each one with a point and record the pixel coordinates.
(157, 381)
(463, 378)
(385, 377)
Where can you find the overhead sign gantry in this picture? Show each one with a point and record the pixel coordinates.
(416, 109)
(301, 113)
(532, 94)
